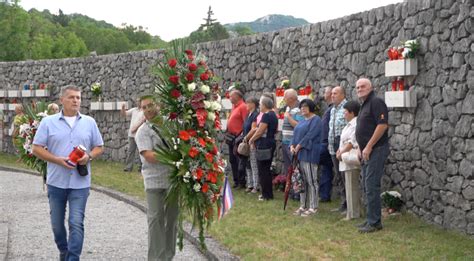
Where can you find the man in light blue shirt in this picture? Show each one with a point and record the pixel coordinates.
(56, 137)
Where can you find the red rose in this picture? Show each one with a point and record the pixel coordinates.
(214, 150)
(204, 77)
(173, 116)
(192, 133)
(212, 177)
(175, 93)
(193, 152)
(188, 52)
(184, 135)
(174, 79)
(202, 63)
(172, 63)
(205, 188)
(190, 77)
(209, 157)
(192, 67)
(198, 173)
(201, 117)
(202, 142)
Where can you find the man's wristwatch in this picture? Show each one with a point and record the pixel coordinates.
(90, 156)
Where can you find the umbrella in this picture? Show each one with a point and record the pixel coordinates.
(291, 170)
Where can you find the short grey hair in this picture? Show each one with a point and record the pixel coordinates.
(266, 102)
(66, 88)
(291, 93)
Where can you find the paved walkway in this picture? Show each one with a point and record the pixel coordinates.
(114, 230)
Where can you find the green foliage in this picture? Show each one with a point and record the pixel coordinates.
(42, 35)
(213, 33)
(242, 30)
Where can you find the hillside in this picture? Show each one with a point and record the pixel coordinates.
(269, 23)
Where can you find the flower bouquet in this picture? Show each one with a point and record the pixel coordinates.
(189, 97)
(29, 124)
(285, 84)
(392, 200)
(279, 182)
(411, 48)
(96, 89)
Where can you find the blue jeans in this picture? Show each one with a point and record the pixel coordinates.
(77, 200)
(325, 183)
(372, 171)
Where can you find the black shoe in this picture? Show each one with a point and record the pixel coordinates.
(62, 256)
(361, 225)
(371, 228)
(127, 170)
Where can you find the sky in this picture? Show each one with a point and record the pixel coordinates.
(178, 18)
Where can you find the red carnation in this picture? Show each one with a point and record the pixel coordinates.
(174, 79)
(212, 177)
(205, 188)
(184, 135)
(192, 67)
(202, 142)
(172, 63)
(204, 77)
(198, 173)
(188, 52)
(192, 133)
(214, 150)
(193, 152)
(173, 116)
(201, 117)
(209, 157)
(175, 93)
(190, 77)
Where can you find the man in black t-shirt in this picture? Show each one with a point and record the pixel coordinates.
(371, 135)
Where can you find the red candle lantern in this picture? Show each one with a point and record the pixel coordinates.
(401, 85)
(301, 91)
(77, 153)
(227, 95)
(394, 85)
(308, 89)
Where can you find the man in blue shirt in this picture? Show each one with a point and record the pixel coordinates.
(292, 116)
(56, 137)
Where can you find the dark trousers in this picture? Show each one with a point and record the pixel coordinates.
(340, 181)
(237, 174)
(372, 172)
(265, 177)
(325, 182)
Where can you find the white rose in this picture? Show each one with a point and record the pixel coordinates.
(216, 106)
(207, 104)
(205, 89)
(211, 116)
(192, 86)
(197, 187)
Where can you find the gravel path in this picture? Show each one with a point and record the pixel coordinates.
(114, 230)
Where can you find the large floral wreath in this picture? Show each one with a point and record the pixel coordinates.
(189, 97)
(28, 125)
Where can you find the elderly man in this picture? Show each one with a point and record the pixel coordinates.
(292, 116)
(235, 125)
(336, 124)
(60, 134)
(136, 120)
(372, 137)
(325, 161)
(162, 215)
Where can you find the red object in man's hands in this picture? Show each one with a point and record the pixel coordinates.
(77, 153)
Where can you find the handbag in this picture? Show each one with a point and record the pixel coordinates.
(263, 154)
(243, 149)
(229, 138)
(297, 181)
(351, 157)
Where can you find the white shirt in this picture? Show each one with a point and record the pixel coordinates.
(70, 120)
(136, 118)
(348, 136)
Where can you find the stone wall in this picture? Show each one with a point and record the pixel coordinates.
(432, 156)
(124, 77)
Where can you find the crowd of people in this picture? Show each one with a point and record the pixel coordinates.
(349, 139)
(346, 147)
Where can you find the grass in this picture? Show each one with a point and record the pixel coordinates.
(256, 230)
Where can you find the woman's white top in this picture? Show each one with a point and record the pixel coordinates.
(348, 136)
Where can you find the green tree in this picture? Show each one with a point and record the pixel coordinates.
(214, 32)
(14, 32)
(242, 30)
